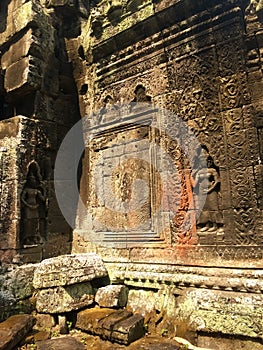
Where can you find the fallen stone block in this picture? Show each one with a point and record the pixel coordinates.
(128, 330)
(112, 296)
(68, 269)
(14, 329)
(65, 343)
(107, 324)
(64, 299)
(88, 320)
(118, 326)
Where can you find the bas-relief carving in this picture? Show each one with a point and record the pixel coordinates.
(206, 182)
(33, 207)
(207, 85)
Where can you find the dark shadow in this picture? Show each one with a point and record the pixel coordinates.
(3, 14)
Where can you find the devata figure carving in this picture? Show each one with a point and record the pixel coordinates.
(33, 207)
(206, 182)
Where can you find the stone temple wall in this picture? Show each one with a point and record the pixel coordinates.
(38, 105)
(199, 60)
(202, 62)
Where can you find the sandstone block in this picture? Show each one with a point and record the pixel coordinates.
(24, 75)
(18, 50)
(112, 296)
(20, 17)
(45, 321)
(64, 299)
(20, 281)
(13, 330)
(65, 343)
(88, 320)
(68, 269)
(118, 326)
(128, 330)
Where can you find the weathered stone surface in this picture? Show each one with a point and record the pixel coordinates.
(19, 17)
(24, 74)
(221, 343)
(154, 343)
(224, 311)
(112, 296)
(128, 330)
(119, 326)
(44, 321)
(13, 330)
(68, 269)
(16, 288)
(89, 319)
(62, 323)
(64, 299)
(66, 343)
(18, 50)
(20, 281)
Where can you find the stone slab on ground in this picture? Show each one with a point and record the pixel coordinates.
(112, 296)
(64, 299)
(68, 269)
(65, 343)
(118, 326)
(14, 329)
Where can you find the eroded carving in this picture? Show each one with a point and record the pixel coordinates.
(206, 183)
(33, 207)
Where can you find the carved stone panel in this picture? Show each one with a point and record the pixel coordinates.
(125, 198)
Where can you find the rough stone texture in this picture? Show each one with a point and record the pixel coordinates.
(44, 321)
(112, 296)
(88, 320)
(129, 330)
(34, 95)
(68, 269)
(66, 343)
(64, 299)
(16, 288)
(14, 329)
(120, 326)
(219, 343)
(224, 312)
(201, 60)
(154, 343)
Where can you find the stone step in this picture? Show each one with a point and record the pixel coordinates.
(117, 326)
(14, 329)
(68, 269)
